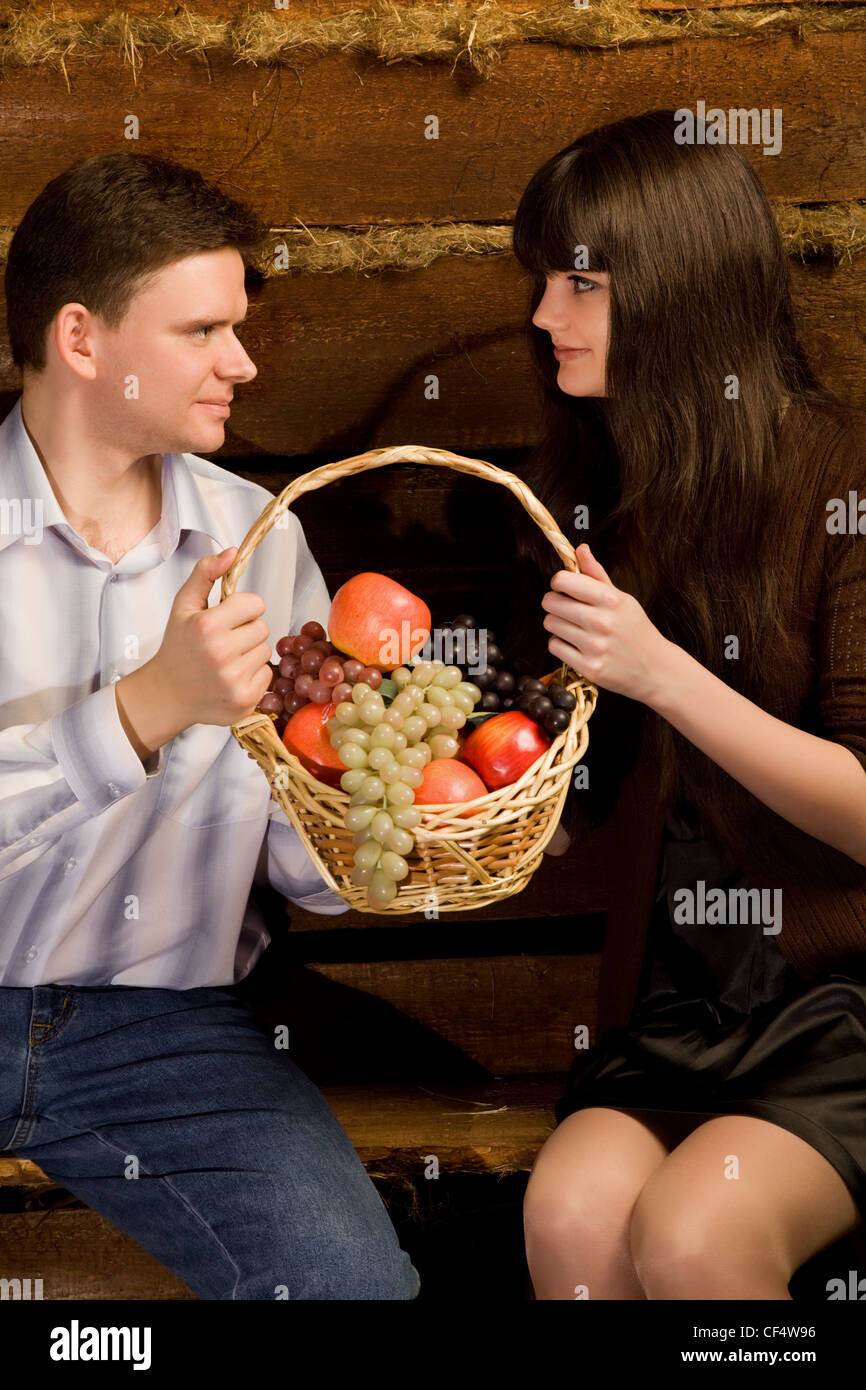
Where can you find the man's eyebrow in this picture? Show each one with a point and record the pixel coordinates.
(210, 323)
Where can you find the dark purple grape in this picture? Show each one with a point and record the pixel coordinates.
(540, 707)
(562, 698)
(556, 721)
(295, 702)
(312, 659)
(484, 679)
(489, 700)
(521, 681)
(508, 702)
(534, 687)
(494, 655)
(504, 683)
(284, 646)
(464, 620)
(282, 686)
(271, 703)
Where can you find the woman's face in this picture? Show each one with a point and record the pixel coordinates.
(574, 310)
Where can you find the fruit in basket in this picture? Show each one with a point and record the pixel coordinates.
(548, 702)
(378, 621)
(506, 684)
(306, 735)
(446, 779)
(385, 749)
(312, 669)
(502, 748)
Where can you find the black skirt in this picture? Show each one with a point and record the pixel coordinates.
(722, 1024)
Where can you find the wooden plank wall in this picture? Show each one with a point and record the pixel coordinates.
(338, 140)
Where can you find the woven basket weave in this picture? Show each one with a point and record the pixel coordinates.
(459, 862)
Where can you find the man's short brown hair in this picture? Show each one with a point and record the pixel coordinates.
(98, 232)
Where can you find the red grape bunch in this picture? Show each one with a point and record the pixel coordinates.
(313, 670)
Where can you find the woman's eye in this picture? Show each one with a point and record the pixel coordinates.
(574, 278)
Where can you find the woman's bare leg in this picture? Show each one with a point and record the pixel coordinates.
(734, 1211)
(580, 1196)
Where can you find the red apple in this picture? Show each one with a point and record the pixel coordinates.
(502, 748)
(376, 620)
(446, 779)
(306, 736)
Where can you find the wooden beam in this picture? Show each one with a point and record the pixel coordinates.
(79, 1255)
(340, 140)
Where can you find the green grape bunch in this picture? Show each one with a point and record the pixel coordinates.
(385, 749)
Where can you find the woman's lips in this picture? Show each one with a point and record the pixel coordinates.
(565, 354)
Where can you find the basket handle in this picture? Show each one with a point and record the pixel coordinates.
(381, 458)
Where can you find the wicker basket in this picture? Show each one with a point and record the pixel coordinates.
(458, 863)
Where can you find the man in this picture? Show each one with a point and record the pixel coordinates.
(133, 824)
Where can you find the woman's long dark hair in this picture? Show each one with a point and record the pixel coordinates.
(678, 462)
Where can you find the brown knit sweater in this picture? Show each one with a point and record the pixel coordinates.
(824, 692)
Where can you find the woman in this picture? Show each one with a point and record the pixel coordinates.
(714, 1140)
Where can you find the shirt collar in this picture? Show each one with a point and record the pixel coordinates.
(27, 499)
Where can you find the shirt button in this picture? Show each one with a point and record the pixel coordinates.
(113, 579)
(115, 675)
(31, 954)
(114, 789)
(69, 865)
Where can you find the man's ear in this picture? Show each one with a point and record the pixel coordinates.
(73, 338)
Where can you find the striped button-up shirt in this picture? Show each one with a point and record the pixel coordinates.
(114, 871)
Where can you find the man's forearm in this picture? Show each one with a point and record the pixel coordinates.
(148, 720)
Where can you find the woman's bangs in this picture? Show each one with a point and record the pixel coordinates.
(551, 223)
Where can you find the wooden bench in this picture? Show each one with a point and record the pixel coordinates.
(497, 1128)
(493, 1129)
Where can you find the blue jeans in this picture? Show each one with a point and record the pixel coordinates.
(172, 1114)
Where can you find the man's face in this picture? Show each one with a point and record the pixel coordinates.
(174, 350)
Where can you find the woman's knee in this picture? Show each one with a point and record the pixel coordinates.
(683, 1245)
(589, 1173)
(739, 1205)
